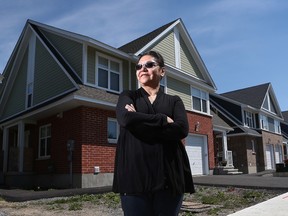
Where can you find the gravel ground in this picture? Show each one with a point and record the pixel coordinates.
(193, 204)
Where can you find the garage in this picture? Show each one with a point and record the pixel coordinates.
(196, 147)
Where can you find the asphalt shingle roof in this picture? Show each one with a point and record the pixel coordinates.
(137, 44)
(253, 96)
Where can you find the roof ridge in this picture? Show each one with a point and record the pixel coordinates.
(138, 43)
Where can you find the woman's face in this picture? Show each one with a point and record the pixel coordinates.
(149, 76)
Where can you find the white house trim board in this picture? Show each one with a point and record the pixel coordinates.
(177, 48)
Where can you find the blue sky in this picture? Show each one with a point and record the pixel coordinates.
(243, 43)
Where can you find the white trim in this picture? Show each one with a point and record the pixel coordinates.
(177, 48)
(84, 63)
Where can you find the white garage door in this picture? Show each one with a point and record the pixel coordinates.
(196, 147)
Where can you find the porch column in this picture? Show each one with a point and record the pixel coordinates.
(5, 149)
(224, 145)
(21, 140)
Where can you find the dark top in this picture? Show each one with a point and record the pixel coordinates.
(150, 155)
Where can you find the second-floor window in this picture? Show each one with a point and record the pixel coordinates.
(108, 73)
(248, 119)
(270, 124)
(199, 100)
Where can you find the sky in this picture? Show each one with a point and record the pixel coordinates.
(242, 43)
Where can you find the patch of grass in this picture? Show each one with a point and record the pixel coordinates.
(75, 206)
(228, 198)
(214, 211)
(76, 202)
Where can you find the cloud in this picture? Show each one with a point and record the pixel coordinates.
(113, 23)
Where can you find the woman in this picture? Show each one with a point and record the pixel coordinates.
(152, 170)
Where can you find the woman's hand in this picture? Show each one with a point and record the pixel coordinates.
(169, 120)
(130, 108)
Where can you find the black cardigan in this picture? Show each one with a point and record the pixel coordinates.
(150, 155)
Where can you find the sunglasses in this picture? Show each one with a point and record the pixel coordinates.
(148, 64)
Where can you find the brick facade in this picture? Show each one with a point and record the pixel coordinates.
(88, 127)
(205, 128)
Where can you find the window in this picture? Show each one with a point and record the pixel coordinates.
(199, 100)
(264, 122)
(270, 124)
(268, 104)
(45, 141)
(108, 73)
(112, 130)
(248, 119)
(277, 126)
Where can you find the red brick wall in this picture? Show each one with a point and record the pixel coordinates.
(205, 128)
(88, 127)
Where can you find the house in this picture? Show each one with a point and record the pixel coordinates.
(284, 131)
(255, 144)
(58, 99)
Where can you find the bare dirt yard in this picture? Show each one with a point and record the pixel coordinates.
(206, 201)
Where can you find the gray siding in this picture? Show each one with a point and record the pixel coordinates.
(17, 97)
(167, 49)
(176, 87)
(71, 50)
(125, 74)
(188, 64)
(49, 79)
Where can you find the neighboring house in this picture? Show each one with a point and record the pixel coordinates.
(256, 141)
(58, 99)
(284, 131)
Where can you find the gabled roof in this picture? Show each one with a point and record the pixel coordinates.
(137, 44)
(285, 116)
(253, 96)
(151, 39)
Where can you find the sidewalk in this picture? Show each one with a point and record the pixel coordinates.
(277, 206)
